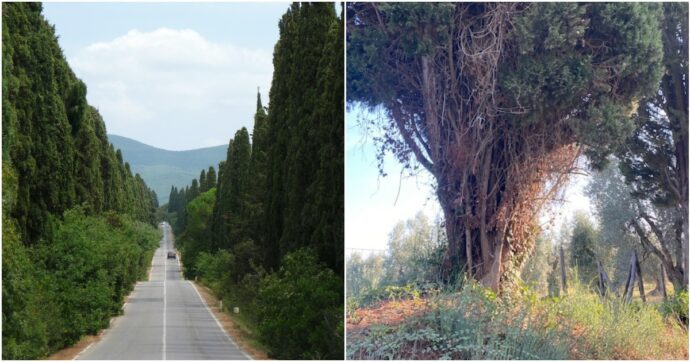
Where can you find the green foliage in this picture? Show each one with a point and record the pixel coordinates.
(76, 233)
(195, 238)
(582, 248)
(535, 272)
(53, 139)
(413, 260)
(469, 324)
(676, 307)
(280, 193)
(24, 330)
(304, 205)
(301, 309)
(610, 328)
(473, 323)
(72, 284)
(390, 293)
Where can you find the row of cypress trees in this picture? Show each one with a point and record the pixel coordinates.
(77, 227)
(275, 216)
(56, 152)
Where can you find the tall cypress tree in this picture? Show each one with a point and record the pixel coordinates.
(54, 142)
(238, 169)
(203, 187)
(211, 178)
(219, 230)
(258, 169)
(302, 124)
(193, 191)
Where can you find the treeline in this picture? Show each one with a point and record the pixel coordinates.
(267, 236)
(411, 264)
(76, 221)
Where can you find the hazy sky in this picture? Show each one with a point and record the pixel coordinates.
(371, 210)
(173, 75)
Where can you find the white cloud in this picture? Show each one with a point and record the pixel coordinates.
(173, 88)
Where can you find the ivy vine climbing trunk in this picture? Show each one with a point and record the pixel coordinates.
(497, 101)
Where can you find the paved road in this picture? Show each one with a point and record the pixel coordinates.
(164, 318)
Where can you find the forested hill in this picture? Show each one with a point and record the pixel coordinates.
(77, 222)
(162, 168)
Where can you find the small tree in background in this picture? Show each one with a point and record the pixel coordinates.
(582, 248)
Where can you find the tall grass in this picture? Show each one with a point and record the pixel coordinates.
(610, 328)
(472, 323)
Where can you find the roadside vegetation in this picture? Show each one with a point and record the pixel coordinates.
(265, 232)
(77, 225)
(398, 309)
(501, 103)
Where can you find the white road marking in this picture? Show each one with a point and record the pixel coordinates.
(165, 302)
(84, 350)
(217, 322)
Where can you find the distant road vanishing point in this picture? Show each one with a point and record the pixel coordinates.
(165, 318)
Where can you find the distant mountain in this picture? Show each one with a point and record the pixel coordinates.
(162, 168)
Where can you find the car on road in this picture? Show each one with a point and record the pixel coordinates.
(172, 255)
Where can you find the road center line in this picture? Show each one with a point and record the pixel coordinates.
(165, 300)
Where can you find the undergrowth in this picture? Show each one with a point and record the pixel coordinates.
(472, 323)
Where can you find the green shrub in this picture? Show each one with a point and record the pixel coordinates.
(301, 309)
(608, 328)
(73, 282)
(470, 324)
(676, 307)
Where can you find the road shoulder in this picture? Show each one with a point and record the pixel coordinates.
(228, 325)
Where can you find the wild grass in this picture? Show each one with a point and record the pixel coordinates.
(472, 323)
(610, 328)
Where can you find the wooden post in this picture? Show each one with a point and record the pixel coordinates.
(221, 305)
(603, 279)
(640, 282)
(630, 281)
(564, 283)
(662, 286)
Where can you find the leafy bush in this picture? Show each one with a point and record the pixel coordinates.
(676, 307)
(393, 292)
(301, 309)
(474, 323)
(609, 328)
(470, 324)
(71, 284)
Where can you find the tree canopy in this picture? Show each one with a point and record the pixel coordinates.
(496, 99)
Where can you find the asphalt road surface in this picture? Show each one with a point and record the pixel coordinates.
(164, 318)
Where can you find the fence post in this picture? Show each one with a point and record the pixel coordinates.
(603, 279)
(564, 283)
(663, 281)
(640, 282)
(630, 281)
(221, 305)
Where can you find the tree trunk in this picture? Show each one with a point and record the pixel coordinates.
(564, 283)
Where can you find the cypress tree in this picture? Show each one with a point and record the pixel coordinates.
(258, 169)
(238, 206)
(211, 178)
(302, 123)
(203, 187)
(193, 191)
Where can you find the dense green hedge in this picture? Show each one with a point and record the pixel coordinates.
(298, 311)
(71, 284)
